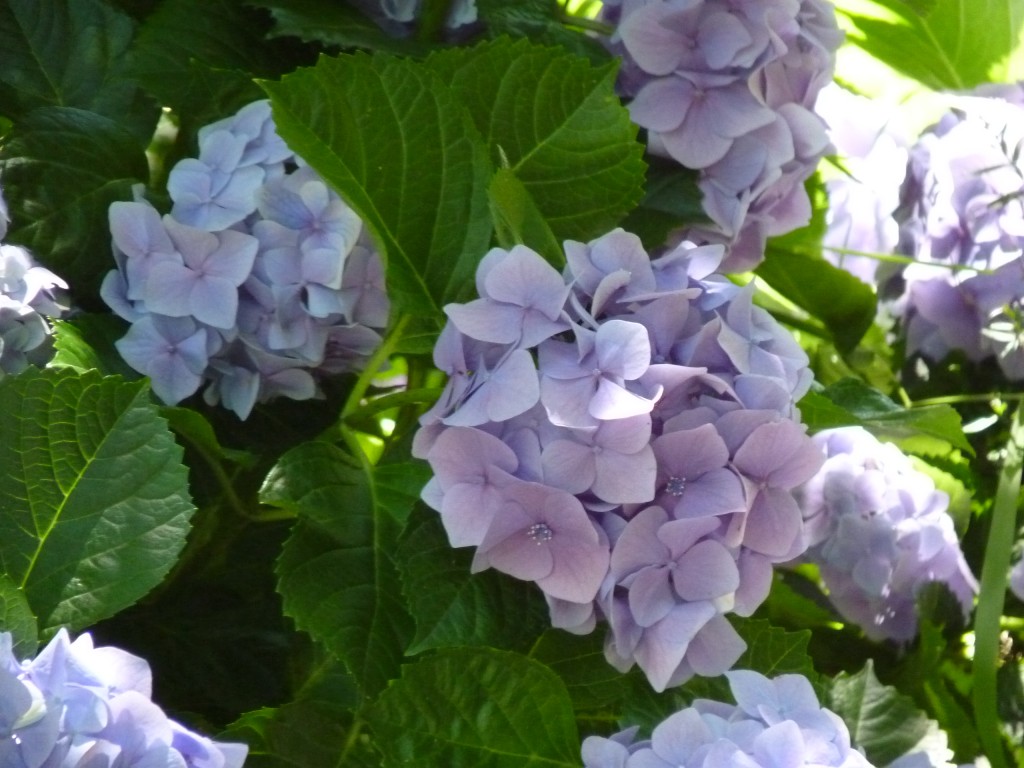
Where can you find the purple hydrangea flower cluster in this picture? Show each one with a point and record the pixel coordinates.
(625, 436)
(965, 227)
(258, 283)
(29, 294)
(878, 530)
(728, 88)
(75, 705)
(461, 11)
(862, 201)
(774, 723)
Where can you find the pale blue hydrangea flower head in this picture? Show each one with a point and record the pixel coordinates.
(259, 283)
(878, 531)
(78, 705)
(623, 434)
(728, 89)
(776, 723)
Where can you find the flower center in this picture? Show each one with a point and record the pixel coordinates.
(675, 486)
(540, 533)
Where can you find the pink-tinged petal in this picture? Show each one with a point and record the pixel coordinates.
(461, 454)
(780, 454)
(487, 320)
(662, 105)
(568, 465)
(625, 435)
(623, 349)
(680, 535)
(650, 595)
(656, 48)
(625, 478)
(774, 525)
(567, 401)
(721, 37)
(522, 557)
(514, 387)
(578, 571)
(690, 453)
(736, 426)
(663, 646)
(638, 545)
(718, 492)
(715, 649)
(694, 148)
(755, 583)
(707, 571)
(467, 511)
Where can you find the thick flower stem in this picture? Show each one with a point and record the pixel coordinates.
(993, 591)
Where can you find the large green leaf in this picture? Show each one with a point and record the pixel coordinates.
(944, 44)
(882, 721)
(63, 54)
(453, 607)
(17, 618)
(62, 168)
(336, 572)
(554, 120)
(397, 145)
(476, 707)
(95, 499)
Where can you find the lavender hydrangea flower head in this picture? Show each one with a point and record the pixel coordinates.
(30, 295)
(878, 531)
(775, 722)
(259, 283)
(75, 705)
(624, 434)
(728, 89)
(965, 227)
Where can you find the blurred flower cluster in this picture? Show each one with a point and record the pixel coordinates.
(259, 282)
(878, 530)
(728, 89)
(29, 294)
(625, 436)
(775, 722)
(963, 206)
(77, 706)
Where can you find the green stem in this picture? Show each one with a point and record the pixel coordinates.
(994, 575)
(892, 258)
(957, 399)
(396, 400)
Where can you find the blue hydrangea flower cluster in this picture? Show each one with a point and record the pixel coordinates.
(258, 283)
(728, 88)
(29, 294)
(878, 530)
(624, 435)
(460, 13)
(774, 723)
(965, 226)
(78, 706)
(862, 201)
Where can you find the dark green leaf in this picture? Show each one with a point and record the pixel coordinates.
(945, 44)
(554, 121)
(453, 607)
(194, 428)
(402, 152)
(62, 168)
(517, 219)
(476, 707)
(335, 24)
(17, 618)
(61, 54)
(882, 721)
(95, 498)
(539, 22)
(842, 302)
(336, 573)
(930, 427)
(86, 342)
(593, 683)
(672, 200)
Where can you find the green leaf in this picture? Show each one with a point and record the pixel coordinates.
(538, 21)
(843, 303)
(193, 427)
(395, 143)
(460, 608)
(933, 427)
(95, 499)
(517, 219)
(593, 683)
(882, 721)
(86, 342)
(60, 54)
(946, 44)
(554, 120)
(17, 618)
(672, 200)
(62, 168)
(335, 24)
(476, 707)
(336, 573)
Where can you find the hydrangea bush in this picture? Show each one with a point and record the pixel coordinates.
(386, 383)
